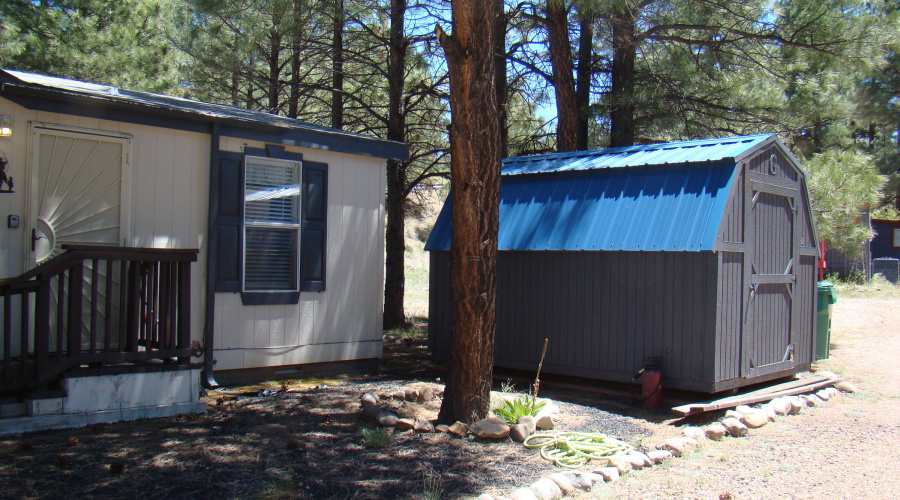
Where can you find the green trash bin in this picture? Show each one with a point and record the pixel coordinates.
(827, 297)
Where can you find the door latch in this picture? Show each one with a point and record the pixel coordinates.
(35, 238)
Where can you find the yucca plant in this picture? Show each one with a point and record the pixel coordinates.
(511, 409)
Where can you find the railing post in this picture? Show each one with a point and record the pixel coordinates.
(133, 305)
(95, 307)
(7, 335)
(24, 332)
(184, 308)
(76, 301)
(41, 328)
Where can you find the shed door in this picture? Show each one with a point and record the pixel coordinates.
(769, 274)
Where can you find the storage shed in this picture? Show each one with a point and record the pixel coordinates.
(702, 253)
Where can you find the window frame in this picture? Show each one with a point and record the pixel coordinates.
(895, 238)
(296, 227)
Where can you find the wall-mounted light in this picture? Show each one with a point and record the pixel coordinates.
(5, 126)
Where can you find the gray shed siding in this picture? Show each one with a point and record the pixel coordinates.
(602, 311)
(730, 316)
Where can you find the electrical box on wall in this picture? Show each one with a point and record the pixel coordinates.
(12, 222)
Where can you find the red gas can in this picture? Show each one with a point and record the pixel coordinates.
(651, 388)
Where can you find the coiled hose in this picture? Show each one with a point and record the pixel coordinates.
(574, 449)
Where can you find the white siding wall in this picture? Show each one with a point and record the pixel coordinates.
(169, 198)
(170, 193)
(342, 323)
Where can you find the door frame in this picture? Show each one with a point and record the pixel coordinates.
(754, 183)
(37, 128)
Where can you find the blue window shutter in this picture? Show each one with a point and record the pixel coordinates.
(228, 190)
(314, 203)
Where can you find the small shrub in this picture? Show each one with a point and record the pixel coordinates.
(376, 438)
(511, 409)
(432, 486)
(508, 386)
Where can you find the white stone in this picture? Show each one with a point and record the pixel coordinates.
(694, 432)
(490, 428)
(518, 432)
(545, 423)
(675, 445)
(658, 456)
(529, 422)
(595, 478)
(844, 386)
(735, 427)
(755, 419)
(620, 463)
(644, 458)
(716, 431)
(546, 489)
(578, 480)
(782, 406)
(523, 494)
(563, 481)
(609, 474)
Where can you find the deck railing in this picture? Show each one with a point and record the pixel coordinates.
(95, 306)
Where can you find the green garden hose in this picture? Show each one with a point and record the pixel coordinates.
(574, 449)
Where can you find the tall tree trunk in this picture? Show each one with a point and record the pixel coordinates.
(584, 73)
(274, 69)
(395, 203)
(621, 116)
(563, 82)
(296, 47)
(337, 66)
(502, 87)
(475, 173)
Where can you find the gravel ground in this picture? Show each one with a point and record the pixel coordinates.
(846, 449)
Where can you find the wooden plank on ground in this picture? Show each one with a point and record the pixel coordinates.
(767, 394)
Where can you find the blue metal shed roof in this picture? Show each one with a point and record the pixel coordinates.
(632, 156)
(579, 201)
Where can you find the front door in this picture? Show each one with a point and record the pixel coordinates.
(79, 190)
(770, 276)
(78, 196)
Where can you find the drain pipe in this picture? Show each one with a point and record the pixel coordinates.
(211, 246)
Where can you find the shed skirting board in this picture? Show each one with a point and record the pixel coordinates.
(234, 359)
(111, 398)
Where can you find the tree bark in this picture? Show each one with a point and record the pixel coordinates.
(584, 73)
(337, 66)
(502, 87)
(475, 173)
(395, 203)
(274, 86)
(621, 116)
(557, 18)
(296, 47)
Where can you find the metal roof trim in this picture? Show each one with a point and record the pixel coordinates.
(19, 82)
(633, 156)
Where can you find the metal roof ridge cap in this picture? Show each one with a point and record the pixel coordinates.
(121, 101)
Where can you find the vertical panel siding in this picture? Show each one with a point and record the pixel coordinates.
(805, 300)
(782, 168)
(604, 312)
(729, 315)
(732, 225)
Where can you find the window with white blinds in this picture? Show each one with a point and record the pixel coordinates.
(271, 224)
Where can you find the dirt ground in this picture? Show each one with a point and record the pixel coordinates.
(306, 441)
(846, 449)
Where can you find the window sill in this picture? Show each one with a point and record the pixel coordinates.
(270, 298)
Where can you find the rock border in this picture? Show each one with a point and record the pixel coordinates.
(742, 419)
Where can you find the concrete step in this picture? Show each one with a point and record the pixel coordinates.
(12, 409)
